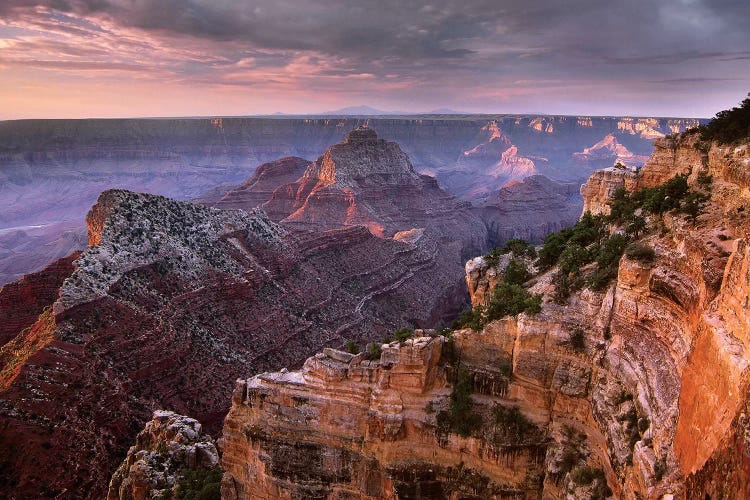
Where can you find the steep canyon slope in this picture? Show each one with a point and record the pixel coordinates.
(636, 389)
(52, 171)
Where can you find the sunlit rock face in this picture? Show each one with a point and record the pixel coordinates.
(169, 305)
(52, 171)
(655, 397)
(343, 426)
(369, 181)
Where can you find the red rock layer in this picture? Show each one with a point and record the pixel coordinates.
(174, 303)
(22, 301)
(259, 187)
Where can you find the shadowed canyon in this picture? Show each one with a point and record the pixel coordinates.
(514, 307)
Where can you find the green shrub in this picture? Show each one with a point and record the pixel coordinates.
(729, 126)
(660, 468)
(373, 352)
(584, 474)
(611, 251)
(512, 421)
(492, 258)
(516, 273)
(200, 484)
(402, 334)
(462, 419)
(506, 300)
(519, 248)
(573, 257)
(577, 340)
(352, 347)
(640, 252)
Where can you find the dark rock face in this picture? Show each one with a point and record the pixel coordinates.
(259, 187)
(53, 170)
(173, 304)
(22, 302)
(529, 210)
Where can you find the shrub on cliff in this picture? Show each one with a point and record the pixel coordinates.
(200, 484)
(462, 418)
(519, 248)
(640, 252)
(507, 300)
(730, 125)
(516, 273)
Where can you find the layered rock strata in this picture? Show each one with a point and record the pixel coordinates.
(168, 448)
(169, 305)
(346, 427)
(642, 386)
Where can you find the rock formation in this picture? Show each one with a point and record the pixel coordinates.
(529, 210)
(259, 187)
(168, 306)
(52, 171)
(638, 390)
(344, 426)
(371, 182)
(168, 448)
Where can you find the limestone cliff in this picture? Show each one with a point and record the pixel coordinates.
(165, 452)
(638, 390)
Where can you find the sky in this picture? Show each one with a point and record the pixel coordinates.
(123, 58)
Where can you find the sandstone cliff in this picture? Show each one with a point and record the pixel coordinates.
(52, 171)
(167, 307)
(638, 390)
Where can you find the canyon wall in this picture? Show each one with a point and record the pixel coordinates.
(52, 171)
(638, 390)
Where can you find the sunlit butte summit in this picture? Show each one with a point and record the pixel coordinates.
(112, 58)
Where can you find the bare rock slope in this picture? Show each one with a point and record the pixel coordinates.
(637, 390)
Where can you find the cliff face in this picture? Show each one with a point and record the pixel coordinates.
(642, 385)
(347, 427)
(171, 303)
(52, 171)
(530, 210)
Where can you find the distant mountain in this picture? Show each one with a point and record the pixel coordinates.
(446, 111)
(359, 110)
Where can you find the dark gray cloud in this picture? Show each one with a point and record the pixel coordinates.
(434, 49)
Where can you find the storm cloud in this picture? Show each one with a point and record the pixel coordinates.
(579, 56)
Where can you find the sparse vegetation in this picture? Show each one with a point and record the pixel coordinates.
(519, 248)
(352, 347)
(373, 352)
(577, 340)
(640, 252)
(460, 417)
(729, 126)
(200, 484)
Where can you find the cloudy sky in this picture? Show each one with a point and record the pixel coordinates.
(83, 58)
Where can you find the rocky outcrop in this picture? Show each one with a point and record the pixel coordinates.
(346, 426)
(371, 182)
(599, 189)
(259, 187)
(529, 210)
(609, 150)
(168, 447)
(640, 390)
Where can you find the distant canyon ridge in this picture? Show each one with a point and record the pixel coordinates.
(52, 171)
